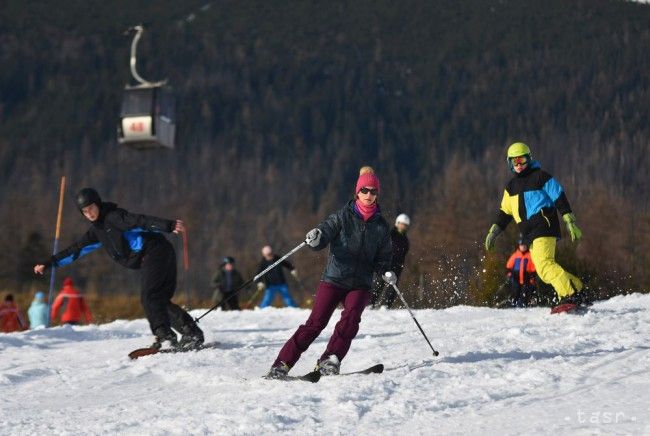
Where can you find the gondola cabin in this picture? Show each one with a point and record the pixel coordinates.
(148, 117)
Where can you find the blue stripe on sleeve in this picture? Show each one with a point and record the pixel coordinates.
(535, 201)
(553, 189)
(87, 249)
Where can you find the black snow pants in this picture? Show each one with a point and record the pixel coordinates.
(157, 287)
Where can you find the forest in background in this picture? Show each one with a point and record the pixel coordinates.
(279, 104)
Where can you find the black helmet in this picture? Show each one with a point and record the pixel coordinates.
(86, 197)
(227, 259)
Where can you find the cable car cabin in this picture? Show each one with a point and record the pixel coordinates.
(148, 117)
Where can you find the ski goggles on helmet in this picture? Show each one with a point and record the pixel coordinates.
(519, 160)
(371, 191)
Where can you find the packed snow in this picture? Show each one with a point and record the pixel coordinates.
(517, 371)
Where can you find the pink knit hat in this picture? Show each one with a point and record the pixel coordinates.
(367, 178)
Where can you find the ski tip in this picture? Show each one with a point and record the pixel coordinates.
(141, 352)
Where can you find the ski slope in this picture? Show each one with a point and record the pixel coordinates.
(499, 372)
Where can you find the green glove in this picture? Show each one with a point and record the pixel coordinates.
(574, 231)
(492, 236)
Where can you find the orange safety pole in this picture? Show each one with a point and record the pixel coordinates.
(57, 233)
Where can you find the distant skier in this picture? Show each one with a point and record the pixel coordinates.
(533, 197)
(400, 243)
(37, 311)
(134, 241)
(521, 275)
(273, 281)
(225, 282)
(75, 309)
(11, 319)
(360, 245)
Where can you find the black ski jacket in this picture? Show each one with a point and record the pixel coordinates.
(219, 281)
(125, 237)
(357, 248)
(276, 275)
(400, 248)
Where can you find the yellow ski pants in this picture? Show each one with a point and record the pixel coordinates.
(542, 251)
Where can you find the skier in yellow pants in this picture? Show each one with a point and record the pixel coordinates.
(532, 198)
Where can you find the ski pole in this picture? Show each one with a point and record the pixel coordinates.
(57, 233)
(186, 267)
(391, 279)
(236, 291)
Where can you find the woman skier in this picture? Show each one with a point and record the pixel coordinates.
(359, 240)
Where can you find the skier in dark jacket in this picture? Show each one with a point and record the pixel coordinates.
(135, 241)
(383, 294)
(359, 241)
(225, 282)
(533, 198)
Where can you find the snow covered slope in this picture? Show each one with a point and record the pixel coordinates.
(499, 372)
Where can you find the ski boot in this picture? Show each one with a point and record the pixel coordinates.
(278, 371)
(165, 336)
(329, 366)
(572, 302)
(192, 337)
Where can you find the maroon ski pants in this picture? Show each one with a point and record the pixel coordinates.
(328, 296)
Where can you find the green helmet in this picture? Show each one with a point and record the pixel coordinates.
(518, 149)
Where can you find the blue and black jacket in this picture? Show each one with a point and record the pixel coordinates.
(125, 237)
(532, 198)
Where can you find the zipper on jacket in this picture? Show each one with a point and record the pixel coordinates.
(356, 264)
(116, 252)
(547, 220)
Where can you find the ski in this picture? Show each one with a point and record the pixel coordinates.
(375, 369)
(562, 308)
(312, 377)
(148, 351)
(571, 309)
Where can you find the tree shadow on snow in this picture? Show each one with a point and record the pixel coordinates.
(473, 357)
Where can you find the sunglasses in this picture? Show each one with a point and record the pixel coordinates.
(371, 191)
(519, 160)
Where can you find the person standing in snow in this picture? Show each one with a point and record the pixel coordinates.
(225, 282)
(11, 320)
(532, 198)
(135, 241)
(37, 311)
(75, 309)
(400, 243)
(359, 241)
(521, 275)
(273, 281)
